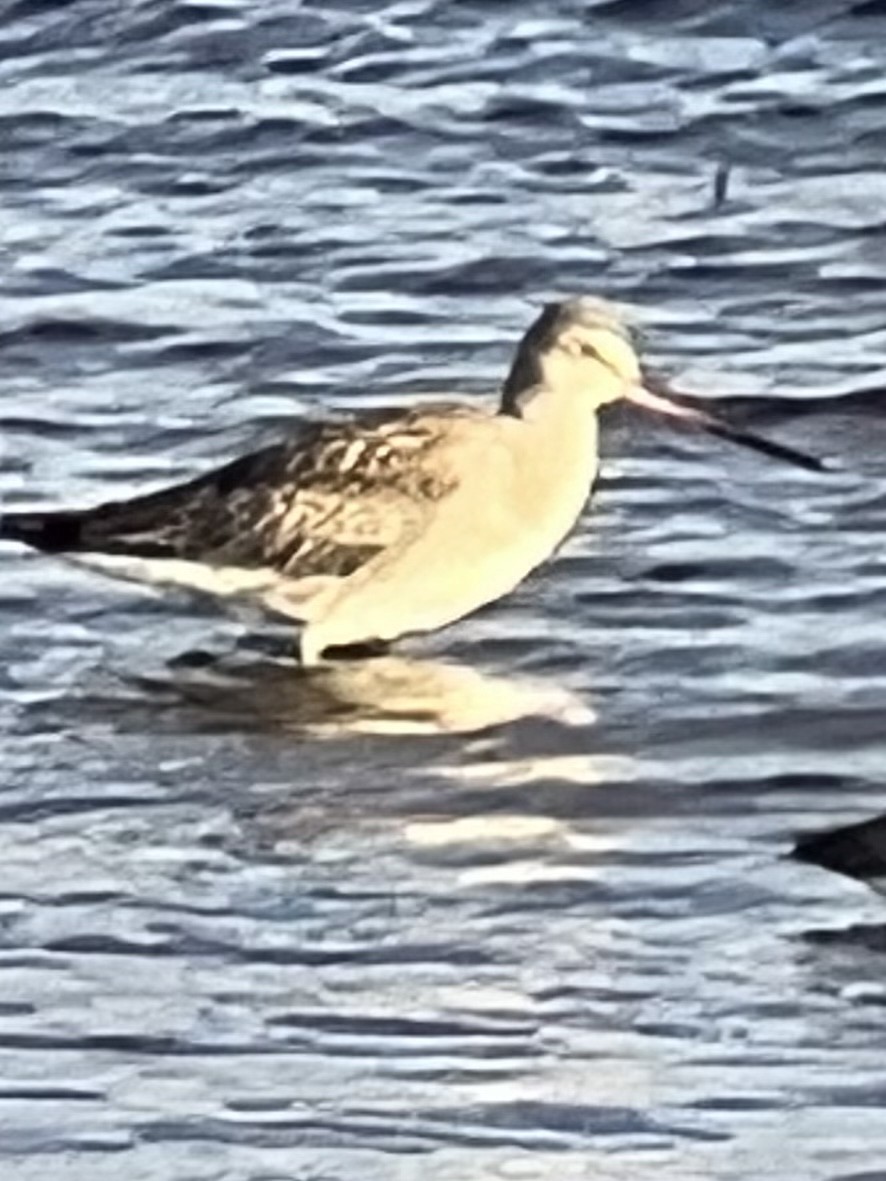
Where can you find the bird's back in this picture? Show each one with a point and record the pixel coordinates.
(320, 504)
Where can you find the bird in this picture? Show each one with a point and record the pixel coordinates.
(397, 521)
(855, 850)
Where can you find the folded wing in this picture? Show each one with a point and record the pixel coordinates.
(321, 504)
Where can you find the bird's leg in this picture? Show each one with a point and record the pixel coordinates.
(315, 648)
(364, 650)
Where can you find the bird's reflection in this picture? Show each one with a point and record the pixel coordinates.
(384, 695)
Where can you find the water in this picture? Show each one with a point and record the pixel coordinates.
(514, 902)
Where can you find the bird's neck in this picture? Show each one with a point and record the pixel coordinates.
(547, 409)
(560, 433)
(555, 457)
(523, 381)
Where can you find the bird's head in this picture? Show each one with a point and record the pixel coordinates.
(583, 348)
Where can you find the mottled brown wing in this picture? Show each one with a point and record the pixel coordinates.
(322, 503)
(353, 492)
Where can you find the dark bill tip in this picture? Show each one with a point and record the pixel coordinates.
(754, 442)
(657, 399)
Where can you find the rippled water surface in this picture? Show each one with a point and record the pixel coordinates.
(513, 902)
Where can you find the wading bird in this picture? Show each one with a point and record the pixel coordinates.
(392, 522)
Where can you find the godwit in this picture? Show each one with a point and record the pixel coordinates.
(393, 522)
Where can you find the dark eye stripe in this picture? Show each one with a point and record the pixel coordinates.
(589, 351)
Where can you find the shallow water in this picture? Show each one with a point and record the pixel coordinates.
(513, 902)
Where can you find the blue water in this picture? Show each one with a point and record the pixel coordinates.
(513, 903)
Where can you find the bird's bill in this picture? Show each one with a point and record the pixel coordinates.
(657, 401)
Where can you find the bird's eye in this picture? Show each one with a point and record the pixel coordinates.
(588, 350)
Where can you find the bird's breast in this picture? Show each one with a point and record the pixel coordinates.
(556, 467)
(518, 492)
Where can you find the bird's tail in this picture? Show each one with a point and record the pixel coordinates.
(200, 517)
(123, 527)
(59, 532)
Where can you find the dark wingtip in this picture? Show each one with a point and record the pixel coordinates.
(50, 532)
